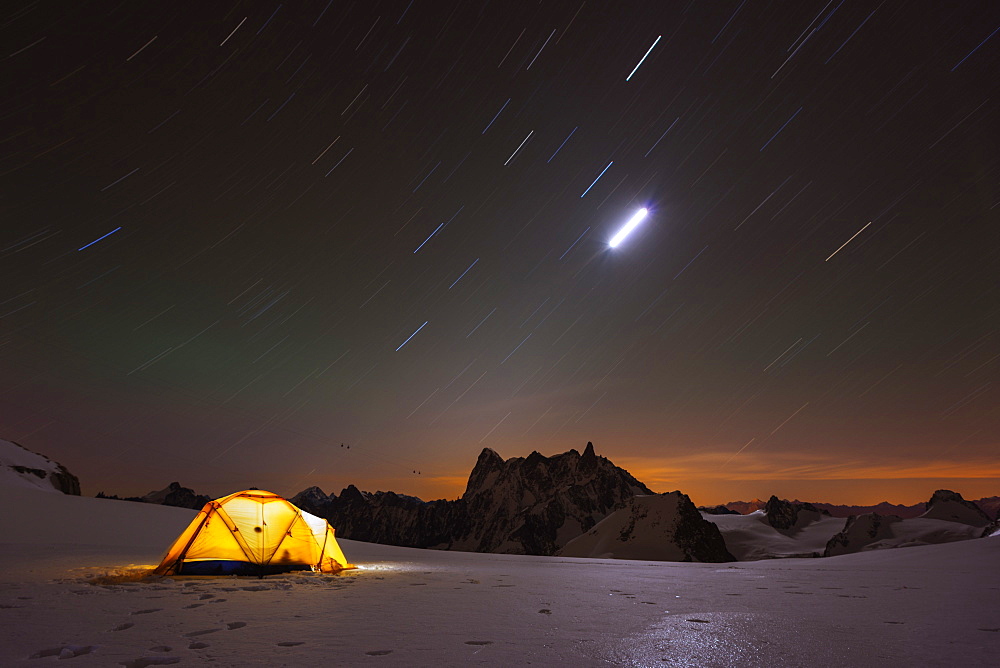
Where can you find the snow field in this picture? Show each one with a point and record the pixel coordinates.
(934, 605)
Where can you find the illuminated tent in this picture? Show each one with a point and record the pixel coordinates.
(253, 533)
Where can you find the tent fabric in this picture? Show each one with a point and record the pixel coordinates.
(253, 532)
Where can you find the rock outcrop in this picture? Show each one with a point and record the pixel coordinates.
(950, 506)
(171, 495)
(786, 515)
(24, 467)
(861, 532)
(536, 504)
(718, 510)
(658, 527)
(175, 495)
(522, 505)
(990, 505)
(746, 507)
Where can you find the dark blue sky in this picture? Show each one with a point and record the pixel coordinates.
(222, 223)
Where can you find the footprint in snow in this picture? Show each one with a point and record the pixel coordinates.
(218, 600)
(195, 634)
(64, 652)
(193, 605)
(700, 621)
(123, 626)
(232, 626)
(145, 661)
(379, 652)
(545, 611)
(292, 643)
(205, 597)
(198, 645)
(146, 612)
(478, 642)
(161, 648)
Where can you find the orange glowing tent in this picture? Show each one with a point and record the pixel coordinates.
(253, 532)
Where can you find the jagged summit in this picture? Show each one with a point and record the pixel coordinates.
(787, 515)
(310, 499)
(945, 504)
(535, 504)
(521, 505)
(176, 495)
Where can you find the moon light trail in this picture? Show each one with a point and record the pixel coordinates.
(639, 216)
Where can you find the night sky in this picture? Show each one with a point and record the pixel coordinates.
(236, 236)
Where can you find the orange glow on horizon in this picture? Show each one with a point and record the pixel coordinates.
(869, 486)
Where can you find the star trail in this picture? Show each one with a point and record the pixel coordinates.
(223, 225)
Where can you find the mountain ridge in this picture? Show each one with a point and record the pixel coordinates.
(521, 505)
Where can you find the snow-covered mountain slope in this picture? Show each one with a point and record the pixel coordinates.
(658, 527)
(794, 529)
(751, 537)
(22, 467)
(56, 519)
(872, 531)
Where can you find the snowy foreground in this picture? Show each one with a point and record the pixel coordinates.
(937, 605)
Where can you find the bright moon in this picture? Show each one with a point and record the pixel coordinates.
(629, 226)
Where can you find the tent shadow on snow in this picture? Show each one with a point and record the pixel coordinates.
(253, 532)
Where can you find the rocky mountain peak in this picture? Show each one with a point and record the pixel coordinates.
(311, 499)
(945, 504)
(353, 494)
(176, 495)
(657, 527)
(785, 515)
(484, 473)
(861, 532)
(717, 510)
(521, 505)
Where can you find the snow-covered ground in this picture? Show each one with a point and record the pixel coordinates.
(935, 605)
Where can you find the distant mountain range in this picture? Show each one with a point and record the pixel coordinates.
(989, 505)
(582, 505)
(522, 505)
(171, 495)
